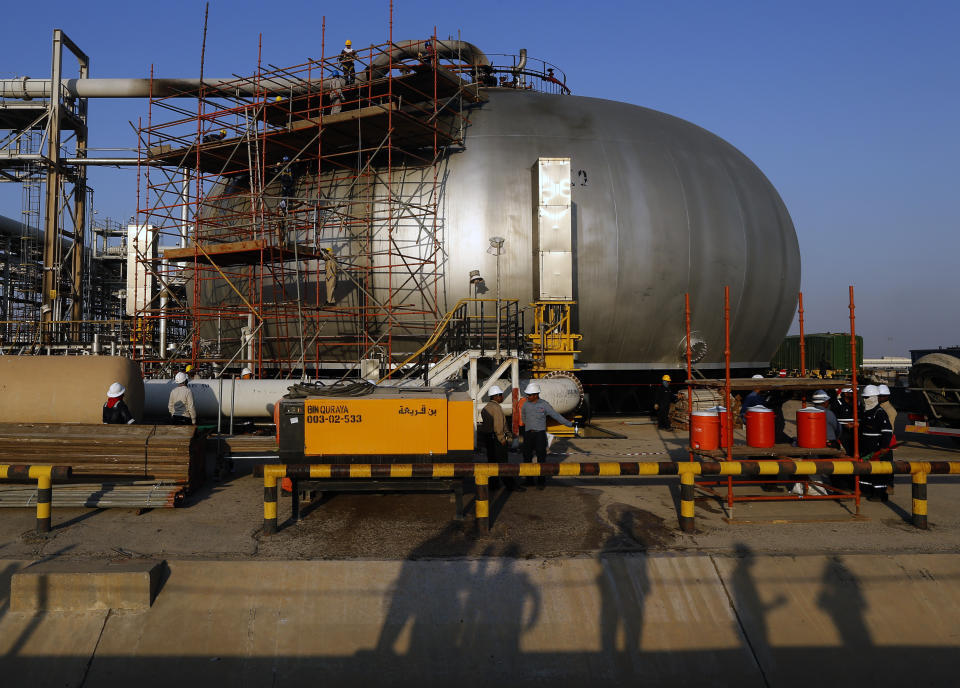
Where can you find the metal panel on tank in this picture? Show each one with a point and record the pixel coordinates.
(554, 242)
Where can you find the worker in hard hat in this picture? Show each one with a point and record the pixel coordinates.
(115, 410)
(821, 400)
(493, 433)
(754, 398)
(662, 400)
(843, 409)
(534, 416)
(891, 412)
(213, 137)
(246, 374)
(875, 435)
(180, 405)
(346, 59)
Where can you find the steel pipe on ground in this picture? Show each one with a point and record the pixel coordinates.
(240, 398)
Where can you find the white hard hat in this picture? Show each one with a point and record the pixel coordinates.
(757, 377)
(884, 390)
(494, 391)
(180, 378)
(246, 371)
(116, 390)
(820, 396)
(532, 388)
(870, 391)
(846, 390)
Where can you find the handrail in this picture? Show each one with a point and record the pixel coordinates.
(44, 475)
(439, 330)
(687, 472)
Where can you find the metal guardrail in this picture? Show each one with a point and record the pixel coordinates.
(44, 475)
(687, 472)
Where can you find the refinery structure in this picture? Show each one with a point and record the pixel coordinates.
(306, 221)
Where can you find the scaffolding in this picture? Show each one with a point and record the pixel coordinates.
(43, 144)
(289, 222)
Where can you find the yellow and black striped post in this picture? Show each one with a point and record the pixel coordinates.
(271, 476)
(687, 524)
(44, 475)
(44, 496)
(919, 488)
(482, 501)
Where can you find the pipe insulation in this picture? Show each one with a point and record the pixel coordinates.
(256, 398)
(249, 398)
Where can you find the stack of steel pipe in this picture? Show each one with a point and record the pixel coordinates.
(133, 495)
(167, 453)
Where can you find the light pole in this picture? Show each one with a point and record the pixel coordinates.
(496, 248)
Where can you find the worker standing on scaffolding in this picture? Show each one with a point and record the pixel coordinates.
(288, 187)
(346, 59)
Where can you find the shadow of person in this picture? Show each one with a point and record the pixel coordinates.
(624, 586)
(841, 597)
(475, 610)
(502, 605)
(751, 610)
(416, 604)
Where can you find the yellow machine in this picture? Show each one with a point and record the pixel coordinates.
(382, 426)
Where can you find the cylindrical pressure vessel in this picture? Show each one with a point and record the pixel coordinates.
(65, 389)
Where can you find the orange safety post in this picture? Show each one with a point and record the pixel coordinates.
(856, 397)
(803, 348)
(726, 387)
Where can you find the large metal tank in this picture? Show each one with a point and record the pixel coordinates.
(660, 207)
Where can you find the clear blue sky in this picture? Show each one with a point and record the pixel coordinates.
(851, 109)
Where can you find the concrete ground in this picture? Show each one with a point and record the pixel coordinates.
(587, 581)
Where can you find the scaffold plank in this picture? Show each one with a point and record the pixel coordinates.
(242, 253)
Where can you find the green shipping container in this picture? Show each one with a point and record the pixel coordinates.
(831, 348)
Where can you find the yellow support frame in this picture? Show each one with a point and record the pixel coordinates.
(553, 342)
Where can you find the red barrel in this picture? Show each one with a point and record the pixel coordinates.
(724, 425)
(704, 430)
(811, 428)
(760, 427)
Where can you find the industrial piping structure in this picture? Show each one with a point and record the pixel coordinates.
(333, 222)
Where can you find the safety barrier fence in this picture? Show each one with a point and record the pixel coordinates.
(44, 475)
(481, 473)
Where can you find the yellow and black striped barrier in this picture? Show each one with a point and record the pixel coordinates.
(481, 473)
(44, 475)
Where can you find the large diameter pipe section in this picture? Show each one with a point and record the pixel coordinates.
(244, 398)
(563, 393)
(26, 88)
